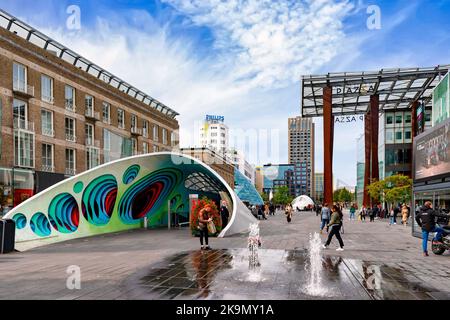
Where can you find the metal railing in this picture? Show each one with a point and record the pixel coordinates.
(70, 105)
(50, 100)
(135, 130)
(71, 137)
(20, 124)
(22, 87)
(92, 143)
(47, 168)
(70, 171)
(48, 132)
(89, 113)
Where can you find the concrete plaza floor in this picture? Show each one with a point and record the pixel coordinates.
(109, 263)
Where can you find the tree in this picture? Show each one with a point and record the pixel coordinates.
(342, 195)
(264, 196)
(393, 189)
(282, 196)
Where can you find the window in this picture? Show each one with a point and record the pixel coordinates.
(121, 118)
(134, 146)
(46, 89)
(19, 77)
(407, 119)
(47, 157)
(70, 129)
(398, 136)
(155, 133)
(164, 136)
(70, 162)
(70, 98)
(24, 149)
(20, 115)
(106, 113)
(47, 123)
(89, 130)
(133, 122)
(89, 105)
(398, 118)
(389, 135)
(145, 147)
(92, 157)
(155, 148)
(145, 128)
(173, 139)
(389, 119)
(408, 135)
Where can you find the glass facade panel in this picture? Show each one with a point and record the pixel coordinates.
(116, 146)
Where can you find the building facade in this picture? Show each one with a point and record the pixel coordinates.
(301, 148)
(318, 187)
(214, 134)
(293, 176)
(215, 160)
(61, 114)
(259, 179)
(241, 164)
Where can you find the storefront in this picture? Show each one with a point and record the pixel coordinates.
(16, 186)
(432, 169)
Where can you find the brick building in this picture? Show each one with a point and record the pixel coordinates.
(62, 114)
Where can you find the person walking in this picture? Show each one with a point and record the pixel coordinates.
(335, 226)
(325, 216)
(203, 220)
(405, 213)
(224, 214)
(396, 212)
(392, 216)
(266, 210)
(288, 212)
(426, 219)
(272, 209)
(352, 212)
(373, 213)
(362, 214)
(261, 213)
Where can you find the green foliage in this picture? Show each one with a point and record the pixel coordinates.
(281, 196)
(393, 189)
(264, 196)
(342, 195)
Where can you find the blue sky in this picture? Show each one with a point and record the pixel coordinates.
(244, 59)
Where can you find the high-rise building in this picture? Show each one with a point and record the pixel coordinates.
(214, 134)
(292, 176)
(259, 179)
(62, 114)
(301, 147)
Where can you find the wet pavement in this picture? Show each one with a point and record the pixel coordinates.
(281, 274)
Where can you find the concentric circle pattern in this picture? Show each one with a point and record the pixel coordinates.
(63, 213)
(39, 225)
(146, 194)
(99, 199)
(131, 173)
(21, 220)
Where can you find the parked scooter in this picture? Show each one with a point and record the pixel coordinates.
(444, 244)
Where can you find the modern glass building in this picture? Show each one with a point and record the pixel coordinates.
(293, 176)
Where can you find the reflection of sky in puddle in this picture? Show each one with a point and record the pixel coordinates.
(226, 274)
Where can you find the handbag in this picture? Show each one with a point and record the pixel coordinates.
(211, 227)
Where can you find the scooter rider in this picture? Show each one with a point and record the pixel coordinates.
(426, 219)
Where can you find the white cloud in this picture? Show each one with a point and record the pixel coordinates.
(271, 43)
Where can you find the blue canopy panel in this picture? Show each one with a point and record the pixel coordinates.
(245, 190)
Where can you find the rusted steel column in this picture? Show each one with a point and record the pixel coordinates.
(328, 133)
(367, 158)
(374, 126)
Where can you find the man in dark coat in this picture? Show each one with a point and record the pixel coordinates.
(224, 214)
(426, 219)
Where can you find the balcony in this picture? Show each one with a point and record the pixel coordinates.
(107, 121)
(71, 137)
(92, 115)
(92, 143)
(70, 172)
(136, 131)
(47, 168)
(23, 89)
(50, 100)
(70, 105)
(48, 132)
(23, 125)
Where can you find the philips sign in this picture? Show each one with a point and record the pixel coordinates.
(215, 118)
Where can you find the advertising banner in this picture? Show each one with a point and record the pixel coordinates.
(441, 104)
(432, 153)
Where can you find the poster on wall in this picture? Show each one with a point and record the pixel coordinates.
(432, 153)
(441, 104)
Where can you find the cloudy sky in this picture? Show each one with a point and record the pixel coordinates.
(244, 59)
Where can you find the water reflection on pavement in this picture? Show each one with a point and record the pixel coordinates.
(226, 274)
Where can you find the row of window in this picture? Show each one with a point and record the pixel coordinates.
(20, 83)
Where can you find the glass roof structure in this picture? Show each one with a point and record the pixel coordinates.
(351, 91)
(37, 38)
(245, 189)
(198, 181)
